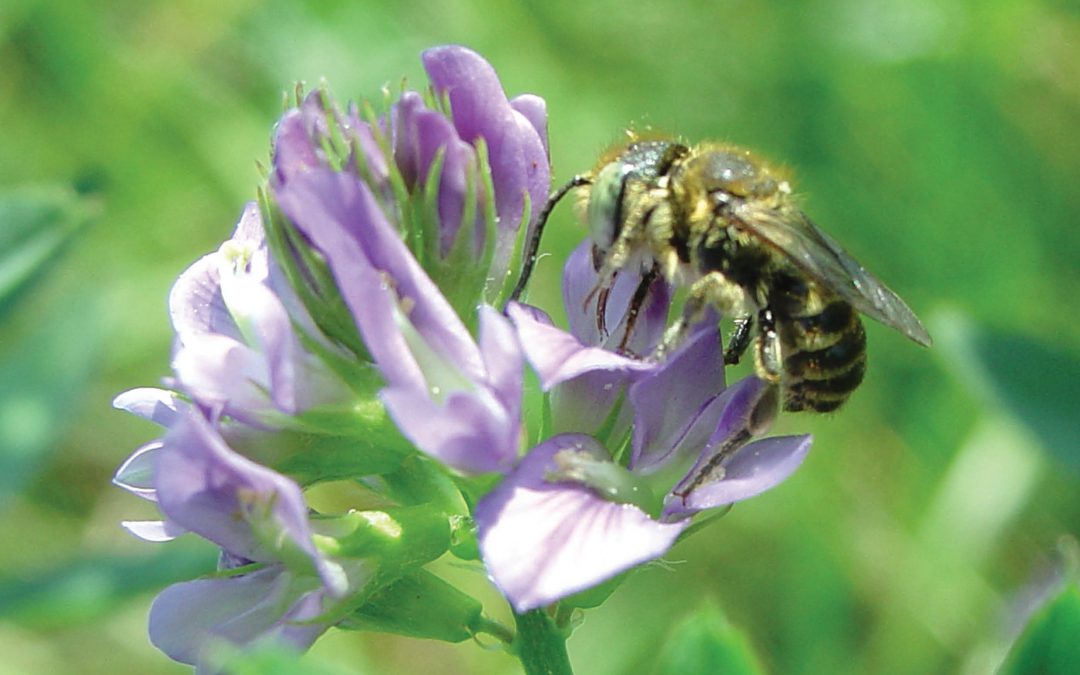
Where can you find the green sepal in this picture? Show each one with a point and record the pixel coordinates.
(310, 277)
(419, 605)
(423, 481)
(326, 443)
(318, 458)
(399, 538)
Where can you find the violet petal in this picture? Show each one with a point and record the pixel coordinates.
(753, 469)
(157, 405)
(243, 507)
(558, 356)
(516, 151)
(375, 272)
(471, 432)
(671, 404)
(266, 603)
(580, 281)
(542, 541)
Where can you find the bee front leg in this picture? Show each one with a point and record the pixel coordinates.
(636, 303)
(768, 361)
(740, 340)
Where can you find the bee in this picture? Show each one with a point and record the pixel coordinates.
(717, 220)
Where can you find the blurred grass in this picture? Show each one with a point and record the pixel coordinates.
(939, 141)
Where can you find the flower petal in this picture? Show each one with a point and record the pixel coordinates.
(155, 531)
(558, 356)
(517, 153)
(419, 135)
(751, 470)
(672, 410)
(375, 272)
(245, 508)
(542, 542)
(160, 406)
(580, 282)
(503, 358)
(136, 474)
(265, 604)
(470, 432)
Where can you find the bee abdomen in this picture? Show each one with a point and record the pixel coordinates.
(818, 377)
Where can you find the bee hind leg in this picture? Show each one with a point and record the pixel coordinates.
(740, 340)
(768, 361)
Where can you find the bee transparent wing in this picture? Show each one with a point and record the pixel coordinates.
(826, 261)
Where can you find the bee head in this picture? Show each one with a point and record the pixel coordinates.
(604, 209)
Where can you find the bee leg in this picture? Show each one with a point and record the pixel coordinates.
(767, 358)
(636, 303)
(601, 309)
(533, 245)
(740, 340)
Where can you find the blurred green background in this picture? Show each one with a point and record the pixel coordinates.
(940, 141)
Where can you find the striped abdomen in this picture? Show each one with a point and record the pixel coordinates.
(824, 357)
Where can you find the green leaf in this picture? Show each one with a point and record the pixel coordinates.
(35, 223)
(1050, 644)
(1033, 380)
(706, 643)
(41, 377)
(419, 605)
(86, 588)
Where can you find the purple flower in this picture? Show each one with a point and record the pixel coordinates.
(515, 133)
(569, 516)
(237, 350)
(257, 516)
(268, 604)
(428, 169)
(458, 399)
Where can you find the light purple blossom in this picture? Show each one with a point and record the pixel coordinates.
(456, 398)
(237, 350)
(417, 136)
(515, 132)
(269, 604)
(254, 514)
(569, 517)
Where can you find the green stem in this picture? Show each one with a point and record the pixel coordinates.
(540, 645)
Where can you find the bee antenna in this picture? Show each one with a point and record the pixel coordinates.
(538, 230)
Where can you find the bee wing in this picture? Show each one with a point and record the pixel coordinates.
(826, 261)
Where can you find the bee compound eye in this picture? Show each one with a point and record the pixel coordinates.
(604, 208)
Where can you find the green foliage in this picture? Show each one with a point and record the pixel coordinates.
(35, 224)
(41, 378)
(90, 587)
(704, 643)
(1050, 644)
(1032, 379)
